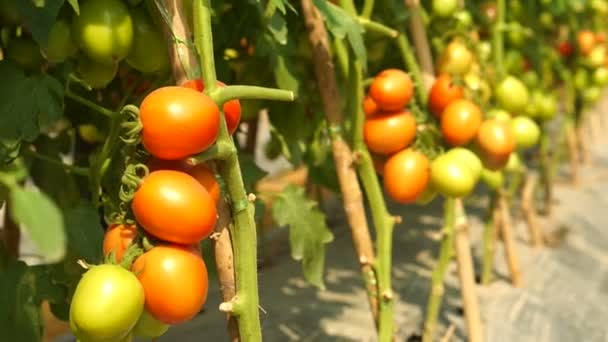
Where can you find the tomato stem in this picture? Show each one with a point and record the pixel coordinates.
(224, 94)
(88, 103)
(410, 62)
(368, 7)
(498, 39)
(376, 27)
(489, 240)
(446, 253)
(221, 150)
(77, 170)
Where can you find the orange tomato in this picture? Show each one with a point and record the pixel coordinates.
(231, 109)
(174, 207)
(370, 107)
(392, 89)
(201, 172)
(117, 239)
(406, 175)
(388, 133)
(443, 93)
(586, 41)
(178, 122)
(460, 121)
(600, 37)
(175, 282)
(496, 138)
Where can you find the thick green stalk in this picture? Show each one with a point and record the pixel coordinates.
(384, 222)
(409, 59)
(446, 252)
(498, 39)
(489, 240)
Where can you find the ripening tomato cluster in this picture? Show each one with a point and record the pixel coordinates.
(175, 204)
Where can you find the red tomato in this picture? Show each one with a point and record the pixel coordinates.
(231, 109)
(565, 49)
(117, 239)
(406, 175)
(370, 107)
(201, 172)
(175, 207)
(175, 282)
(496, 138)
(460, 122)
(443, 93)
(392, 89)
(388, 133)
(178, 122)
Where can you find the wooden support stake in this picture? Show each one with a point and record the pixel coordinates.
(508, 239)
(573, 154)
(529, 210)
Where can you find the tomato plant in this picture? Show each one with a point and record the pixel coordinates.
(512, 95)
(117, 239)
(460, 121)
(406, 175)
(146, 38)
(392, 89)
(388, 133)
(443, 93)
(452, 176)
(231, 109)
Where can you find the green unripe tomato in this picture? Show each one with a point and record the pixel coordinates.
(149, 327)
(526, 131)
(493, 179)
(515, 35)
(592, 94)
(484, 50)
(451, 176)
(106, 305)
(464, 18)
(149, 51)
(104, 30)
(512, 95)
(581, 79)
(547, 107)
(60, 45)
(514, 164)
(95, 74)
(514, 62)
(596, 57)
(25, 53)
(444, 8)
(530, 79)
(546, 20)
(499, 114)
(469, 158)
(600, 76)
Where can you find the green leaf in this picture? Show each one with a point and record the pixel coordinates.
(74, 4)
(278, 27)
(26, 103)
(84, 231)
(39, 19)
(341, 25)
(250, 170)
(41, 219)
(308, 231)
(20, 318)
(282, 5)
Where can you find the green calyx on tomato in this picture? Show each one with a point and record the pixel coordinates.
(451, 176)
(104, 30)
(512, 94)
(148, 53)
(106, 305)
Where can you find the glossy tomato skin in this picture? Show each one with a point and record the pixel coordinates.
(106, 304)
(493, 179)
(444, 8)
(149, 327)
(456, 59)
(370, 107)
(148, 53)
(451, 176)
(174, 207)
(95, 74)
(469, 158)
(175, 282)
(586, 41)
(496, 138)
(117, 239)
(201, 172)
(512, 95)
(391, 89)
(178, 122)
(232, 108)
(388, 133)
(443, 92)
(525, 131)
(104, 30)
(460, 122)
(406, 175)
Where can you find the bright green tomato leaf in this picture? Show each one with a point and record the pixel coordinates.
(41, 219)
(282, 6)
(308, 232)
(84, 231)
(341, 25)
(278, 27)
(74, 4)
(39, 19)
(26, 103)
(20, 318)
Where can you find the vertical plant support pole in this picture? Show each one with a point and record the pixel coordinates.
(527, 206)
(423, 51)
(245, 303)
(490, 232)
(183, 63)
(573, 152)
(343, 156)
(384, 222)
(466, 274)
(445, 255)
(508, 239)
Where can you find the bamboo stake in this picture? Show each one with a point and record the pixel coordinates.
(573, 154)
(527, 206)
(421, 42)
(509, 241)
(490, 233)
